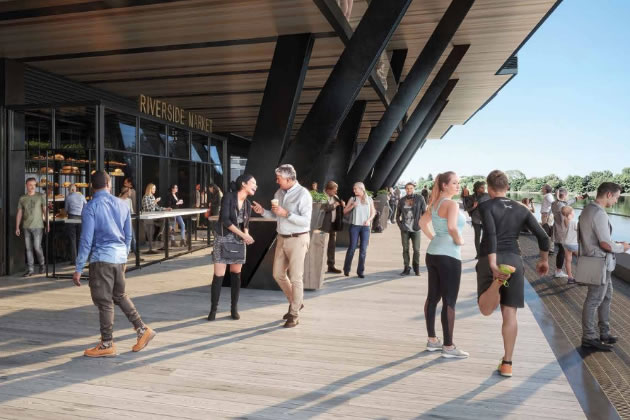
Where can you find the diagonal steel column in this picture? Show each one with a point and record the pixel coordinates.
(398, 62)
(277, 110)
(410, 88)
(348, 77)
(272, 133)
(439, 83)
(336, 162)
(418, 141)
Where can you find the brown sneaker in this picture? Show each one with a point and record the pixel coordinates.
(101, 351)
(286, 316)
(144, 339)
(291, 322)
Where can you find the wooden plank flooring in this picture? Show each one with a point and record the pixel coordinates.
(358, 352)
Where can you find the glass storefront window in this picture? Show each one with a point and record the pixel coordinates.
(216, 152)
(120, 166)
(120, 131)
(199, 150)
(180, 175)
(178, 143)
(75, 128)
(237, 166)
(152, 138)
(36, 137)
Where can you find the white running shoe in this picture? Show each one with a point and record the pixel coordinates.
(454, 353)
(434, 346)
(561, 274)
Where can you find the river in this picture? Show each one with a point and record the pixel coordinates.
(619, 214)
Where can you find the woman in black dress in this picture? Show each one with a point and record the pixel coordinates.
(231, 231)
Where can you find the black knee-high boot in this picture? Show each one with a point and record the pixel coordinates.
(235, 279)
(215, 293)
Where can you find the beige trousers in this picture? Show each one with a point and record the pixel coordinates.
(289, 257)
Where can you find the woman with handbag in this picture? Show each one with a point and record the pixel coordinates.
(231, 238)
(359, 212)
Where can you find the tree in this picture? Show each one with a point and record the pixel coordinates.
(574, 183)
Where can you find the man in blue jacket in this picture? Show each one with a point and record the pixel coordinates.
(408, 213)
(105, 239)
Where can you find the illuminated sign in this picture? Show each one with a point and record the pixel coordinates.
(174, 114)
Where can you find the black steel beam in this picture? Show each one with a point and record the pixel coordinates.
(397, 63)
(336, 161)
(410, 88)
(277, 111)
(418, 141)
(273, 130)
(346, 80)
(332, 12)
(440, 83)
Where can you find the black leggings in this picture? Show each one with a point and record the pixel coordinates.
(444, 277)
(477, 228)
(559, 256)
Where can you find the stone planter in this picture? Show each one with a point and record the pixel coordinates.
(315, 261)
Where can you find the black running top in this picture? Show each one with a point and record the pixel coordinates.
(502, 220)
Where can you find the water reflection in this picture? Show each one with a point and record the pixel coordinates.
(619, 214)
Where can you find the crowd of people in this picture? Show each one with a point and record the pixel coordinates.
(105, 236)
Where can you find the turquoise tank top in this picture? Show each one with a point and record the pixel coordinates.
(442, 243)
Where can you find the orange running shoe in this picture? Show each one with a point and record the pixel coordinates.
(101, 351)
(505, 368)
(144, 339)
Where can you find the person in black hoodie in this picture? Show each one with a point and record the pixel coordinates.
(232, 230)
(408, 213)
(333, 222)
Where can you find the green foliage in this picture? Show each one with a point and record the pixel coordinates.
(369, 193)
(469, 181)
(574, 183)
(319, 197)
(382, 192)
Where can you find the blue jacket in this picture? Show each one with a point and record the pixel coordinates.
(106, 230)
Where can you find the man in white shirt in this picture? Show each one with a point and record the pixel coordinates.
(291, 207)
(547, 201)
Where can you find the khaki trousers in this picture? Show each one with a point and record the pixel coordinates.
(289, 257)
(107, 287)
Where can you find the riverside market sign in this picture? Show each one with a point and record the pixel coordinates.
(174, 114)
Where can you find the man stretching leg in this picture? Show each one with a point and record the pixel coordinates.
(106, 237)
(503, 219)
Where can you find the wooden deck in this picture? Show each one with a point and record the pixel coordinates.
(358, 352)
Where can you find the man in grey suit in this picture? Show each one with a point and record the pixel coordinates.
(595, 240)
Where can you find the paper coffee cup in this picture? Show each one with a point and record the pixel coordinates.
(274, 202)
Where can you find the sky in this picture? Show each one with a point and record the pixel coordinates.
(566, 112)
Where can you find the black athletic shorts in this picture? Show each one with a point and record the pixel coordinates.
(510, 296)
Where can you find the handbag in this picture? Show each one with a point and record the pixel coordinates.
(590, 270)
(233, 250)
(347, 218)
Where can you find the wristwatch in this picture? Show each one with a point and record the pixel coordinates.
(288, 214)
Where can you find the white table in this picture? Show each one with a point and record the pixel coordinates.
(152, 215)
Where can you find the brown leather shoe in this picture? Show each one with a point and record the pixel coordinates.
(291, 322)
(101, 351)
(286, 316)
(333, 270)
(144, 339)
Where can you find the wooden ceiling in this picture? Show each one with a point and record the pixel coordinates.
(213, 56)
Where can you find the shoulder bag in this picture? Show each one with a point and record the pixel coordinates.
(590, 270)
(232, 250)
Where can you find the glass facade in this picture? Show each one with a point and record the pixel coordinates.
(62, 146)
